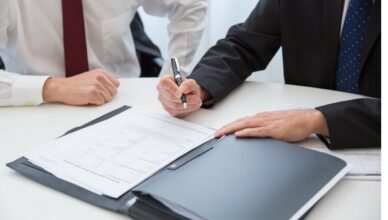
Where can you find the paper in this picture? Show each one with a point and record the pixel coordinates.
(115, 155)
(366, 162)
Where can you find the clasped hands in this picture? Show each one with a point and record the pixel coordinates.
(288, 125)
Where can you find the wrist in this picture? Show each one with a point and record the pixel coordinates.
(51, 90)
(204, 94)
(319, 123)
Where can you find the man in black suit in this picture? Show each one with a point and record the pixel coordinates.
(329, 44)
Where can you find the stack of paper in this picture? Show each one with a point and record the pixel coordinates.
(115, 155)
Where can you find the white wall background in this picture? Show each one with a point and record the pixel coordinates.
(222, 14)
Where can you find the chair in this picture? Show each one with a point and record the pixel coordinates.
(2, 67)
(148, 54)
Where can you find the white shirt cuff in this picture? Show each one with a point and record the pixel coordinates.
(27, 90)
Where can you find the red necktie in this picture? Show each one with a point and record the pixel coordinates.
(74, 40)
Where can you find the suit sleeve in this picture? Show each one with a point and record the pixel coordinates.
(354, 123)
(248, 47)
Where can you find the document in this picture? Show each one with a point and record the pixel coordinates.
(115, 155)
(366, 163)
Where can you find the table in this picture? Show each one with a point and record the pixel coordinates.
(22, 128)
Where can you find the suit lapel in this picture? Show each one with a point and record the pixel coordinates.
(332, 26)
(373, 31)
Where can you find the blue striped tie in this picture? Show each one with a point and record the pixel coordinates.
(351, 44)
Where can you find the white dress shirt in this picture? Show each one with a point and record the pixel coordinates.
(31, 40)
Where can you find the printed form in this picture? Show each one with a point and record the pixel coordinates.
(113, 156)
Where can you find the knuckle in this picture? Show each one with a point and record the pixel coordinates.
(163, 100)
(96, 84)
(164, 80)
(246, 123)
(190, 81)
(160, 88)
(100, 77)
(93, 92)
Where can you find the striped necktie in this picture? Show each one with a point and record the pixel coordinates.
(351, 45)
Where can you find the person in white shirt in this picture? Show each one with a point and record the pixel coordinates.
(32, 47)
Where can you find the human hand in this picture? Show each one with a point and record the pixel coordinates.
(170, 96)
(288, 125)
(94, 87)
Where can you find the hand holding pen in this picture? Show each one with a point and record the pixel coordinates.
(171, 95)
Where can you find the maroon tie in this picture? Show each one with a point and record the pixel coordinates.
(74, 40)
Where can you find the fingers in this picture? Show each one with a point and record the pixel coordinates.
(167, 85)
(189, 86)
(109, 78)
(108, 84)
(98, 94)
(109, 81)
(240, 124)
(287, 125)
(193, 102)
(97, 99)
(176, 109)
(103, 87)
(254, 132)
(167, 98)
(170, 96)
(104, 92)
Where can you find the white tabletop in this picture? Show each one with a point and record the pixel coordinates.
(22, 128)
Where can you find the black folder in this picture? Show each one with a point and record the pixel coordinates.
(229, 178)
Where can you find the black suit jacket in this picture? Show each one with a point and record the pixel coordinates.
(308, 32)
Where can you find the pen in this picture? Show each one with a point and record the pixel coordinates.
(178, 78)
